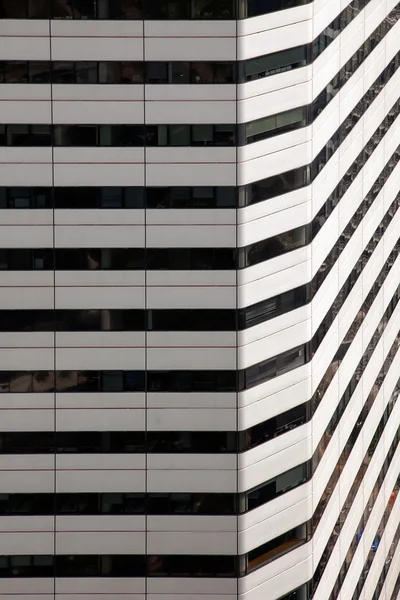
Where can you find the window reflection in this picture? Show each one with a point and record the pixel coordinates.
(174, 9)
(117, 503)
(118, 197)
(117, 135)
(186, 565)
(264, 554)
(190, 9)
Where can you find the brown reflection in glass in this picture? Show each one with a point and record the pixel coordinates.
(131, 9)
(43, 381)
(21, 382)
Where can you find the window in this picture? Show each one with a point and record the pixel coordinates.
(266, 127)
(187, 566)
(63, 72)
(16, 72)
(24, 9)
(195, 197)
(100, 566)
(39, 72)
(118, 135)
(29, 135)
(86, 72)
(275, 246)
(275, 487)
(76, 9)
(190, 320)
(191, 442)
(271, 428)
(179, 72)
(190, 258)
(190, 9)
(273, 549)
(271, 64)
(253, 8)
(191, 381)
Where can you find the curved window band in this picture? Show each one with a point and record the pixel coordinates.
(303, 116)
(142, 9)
(298, 475)
(266, 553)
(287, 241)
(262, 432)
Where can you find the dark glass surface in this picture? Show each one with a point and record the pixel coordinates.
(117, 72)
(118, 197)
(116, 503)
(117, 135)
(191, 566)
(139, 9)
(117, 565)
(118, 320)
(100, 566)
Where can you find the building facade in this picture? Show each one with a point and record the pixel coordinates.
(199, 299)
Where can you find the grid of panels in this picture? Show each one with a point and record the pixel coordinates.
(199, 343)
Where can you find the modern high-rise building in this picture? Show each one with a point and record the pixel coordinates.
(199, 299)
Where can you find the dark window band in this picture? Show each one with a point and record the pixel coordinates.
(117, 135)
(116, 381)
(82, 259)
(118, 320)
(117, 72)
(117, 197)
(89, 442)
(143, 9)
(117, 565)
(117, 503)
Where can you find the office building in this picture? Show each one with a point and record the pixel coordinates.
(199, 299)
